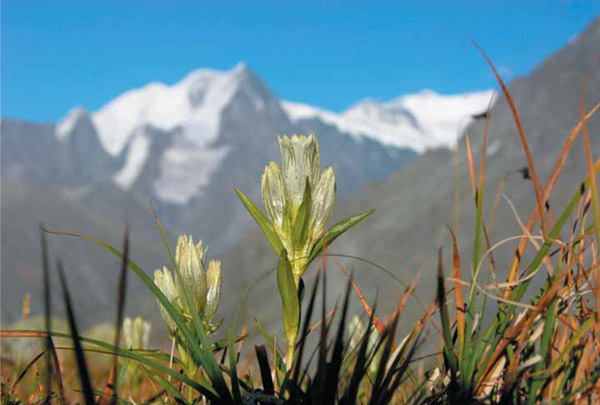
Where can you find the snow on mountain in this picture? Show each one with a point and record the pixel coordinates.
(418, 121)
(195, 104)
(298, 112)
(65, 126)
(134, 162)
(184, 169)
(190, 113)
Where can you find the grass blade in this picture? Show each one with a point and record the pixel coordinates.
(515, 114)
(265, 368)
(335, 364)
(111, 390)
(460, 303)
(388, 338)
(26, 369)
(547, 190)
(52, 358)
(447, 333)
(84, 375)
(362, 299)
(170, 390)
(590, 162)
(235, 386)
(360, 367)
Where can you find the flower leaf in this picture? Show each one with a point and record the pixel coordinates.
(336, 231)
(289, 298)
(301, 226)
(261, 220)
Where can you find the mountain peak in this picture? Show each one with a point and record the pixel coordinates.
(74, 117)
(241, 67)
(194, 103)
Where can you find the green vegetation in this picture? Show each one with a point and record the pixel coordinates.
(540, 346)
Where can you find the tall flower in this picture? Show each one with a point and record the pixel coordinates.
(298, 198)
(204, 287)
(136, 336)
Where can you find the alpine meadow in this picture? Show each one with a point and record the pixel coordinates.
(207, 242)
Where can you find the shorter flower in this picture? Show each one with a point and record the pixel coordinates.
(136, 333)
(203, 287)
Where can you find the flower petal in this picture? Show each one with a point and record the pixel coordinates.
(323, 201)
(164, 282)
(293, 173)
(213, 292)
(273, 194)
(190, 261)
(312, 163)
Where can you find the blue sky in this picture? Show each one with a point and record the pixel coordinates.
(58, 54)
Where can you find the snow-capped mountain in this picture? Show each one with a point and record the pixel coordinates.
(185, 146)
(420, 121)
(194, 104)
(171, 142)
(194, 109)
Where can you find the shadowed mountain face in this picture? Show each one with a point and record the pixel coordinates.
(415, 206)
(184, 146)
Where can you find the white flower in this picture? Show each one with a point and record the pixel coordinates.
(190, 260)
(300, 162)
(136, 333)
(203, 287)
(284, 191)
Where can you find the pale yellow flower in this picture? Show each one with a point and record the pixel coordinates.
(284, 192)
(136, 333)
(204, 287)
